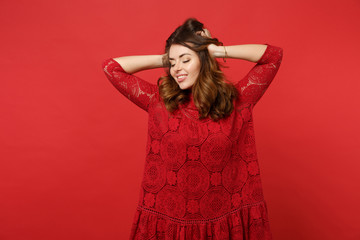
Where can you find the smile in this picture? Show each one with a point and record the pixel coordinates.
(181, 78)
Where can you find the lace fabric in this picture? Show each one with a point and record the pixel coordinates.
(134, 88)
(253, 86)
(247, 222)
(201, 178)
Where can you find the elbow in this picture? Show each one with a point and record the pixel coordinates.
(280, 55)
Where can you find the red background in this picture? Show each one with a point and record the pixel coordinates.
(73, 148)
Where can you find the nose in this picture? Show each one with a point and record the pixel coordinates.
(177, 67)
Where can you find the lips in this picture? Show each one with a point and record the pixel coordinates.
(181, 77)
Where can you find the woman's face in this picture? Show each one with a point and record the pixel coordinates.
(185, 65)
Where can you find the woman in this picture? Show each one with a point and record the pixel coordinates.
(201, 178)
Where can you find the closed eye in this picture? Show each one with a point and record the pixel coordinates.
(172, 65)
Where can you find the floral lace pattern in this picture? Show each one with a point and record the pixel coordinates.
(201, 178)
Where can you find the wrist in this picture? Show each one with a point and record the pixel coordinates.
(220, 52)
(162, 60)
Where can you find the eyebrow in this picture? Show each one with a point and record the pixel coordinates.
(181, 55)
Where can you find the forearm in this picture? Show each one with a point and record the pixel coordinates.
(132, 64)
(249, 52)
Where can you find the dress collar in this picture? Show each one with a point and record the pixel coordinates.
(190, 104)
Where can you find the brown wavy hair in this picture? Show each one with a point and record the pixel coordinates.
(212, 92)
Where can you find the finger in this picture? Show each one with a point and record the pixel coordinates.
(200, 33)
(207, 32)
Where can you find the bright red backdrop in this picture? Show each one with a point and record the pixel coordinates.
(73, 148)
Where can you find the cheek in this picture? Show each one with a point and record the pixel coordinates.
(195, 67)
(172, 73)
(195, 71)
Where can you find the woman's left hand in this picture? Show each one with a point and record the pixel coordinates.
(212, 49)
(204, 33)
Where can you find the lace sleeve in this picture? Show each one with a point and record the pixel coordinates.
(134, 88)
(254, 84)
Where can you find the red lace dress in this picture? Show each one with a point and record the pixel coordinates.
(201, 178)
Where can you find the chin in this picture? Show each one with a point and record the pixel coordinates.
(184, 88)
